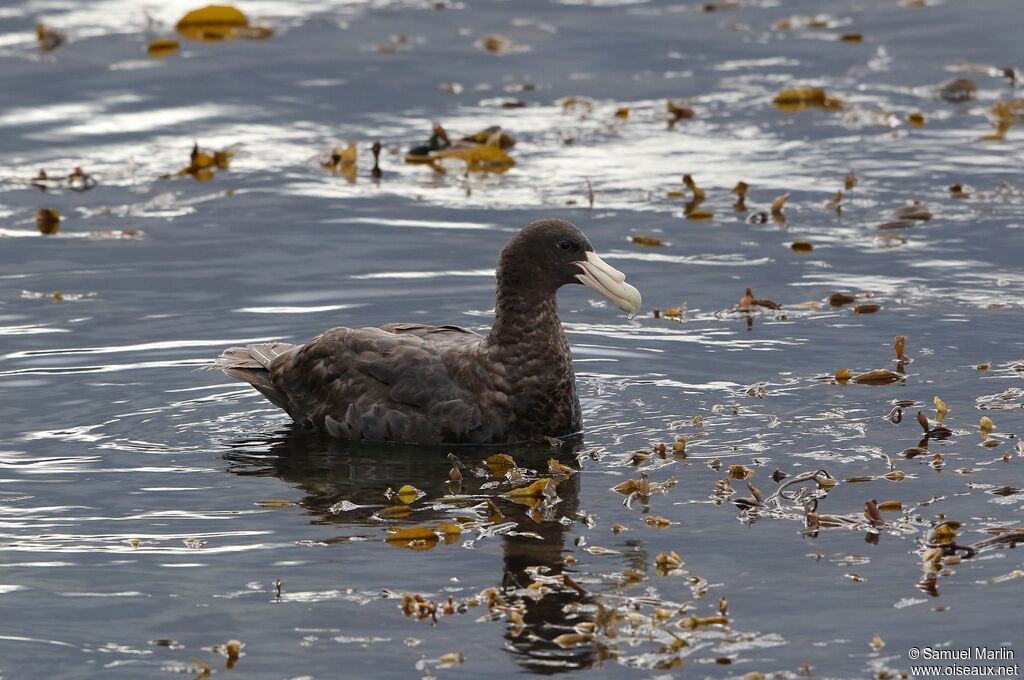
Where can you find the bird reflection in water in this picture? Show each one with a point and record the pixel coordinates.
(329, 472)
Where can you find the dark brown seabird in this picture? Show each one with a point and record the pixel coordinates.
(418, 384)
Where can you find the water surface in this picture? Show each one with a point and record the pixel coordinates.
(150, 511)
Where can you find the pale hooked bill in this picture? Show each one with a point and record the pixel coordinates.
(610, 283)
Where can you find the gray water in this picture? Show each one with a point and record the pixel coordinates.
(150, 511)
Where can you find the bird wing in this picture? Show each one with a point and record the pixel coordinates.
(383, 384)
(438, 334)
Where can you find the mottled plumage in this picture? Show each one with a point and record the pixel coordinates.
(422, 384)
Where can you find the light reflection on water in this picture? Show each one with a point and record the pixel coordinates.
(174, 500)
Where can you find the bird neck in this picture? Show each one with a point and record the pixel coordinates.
(528, 341)
(528, 323)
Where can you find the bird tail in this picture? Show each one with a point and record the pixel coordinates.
(251, 364)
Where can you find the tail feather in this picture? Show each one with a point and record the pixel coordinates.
(251, 364)
(251, 356)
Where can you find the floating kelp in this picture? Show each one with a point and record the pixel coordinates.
(214, 23)
(794, 500)
(397, 42)
(674, 313)
(57, 296)
(914, 210)
(668, 564)
(642, 489)
(677, 112)
(777, 204)
(647, 241)
(499, 44)
(483, 151)
(804, 21)
(162, 47)
(581, 106)
(341, 157)
(342, 161)
(878, 376)
(78, 180)
(493, 136)
(840, 299)
(835, 203)
(689, 183)
(478, 158)
(899, 345)
(740, 190)
(722, 5)
(48, 221)
(559, 469)
(873, 514)
(698, 214)
(406, 494)
(542, 488)
(203, 163)
(658, 522)
(748, 302)
(376, 171)
(48, 38)
(499, 465)
(1005, 114)
(424, 538)
(232, 649)
(960, 190)
(438, 140)
(798, 99)
(275, 503)
(1009, 109)
(958, 90)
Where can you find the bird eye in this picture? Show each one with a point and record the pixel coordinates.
(566, 245)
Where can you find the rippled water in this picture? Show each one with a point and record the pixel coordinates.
(149, 511)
